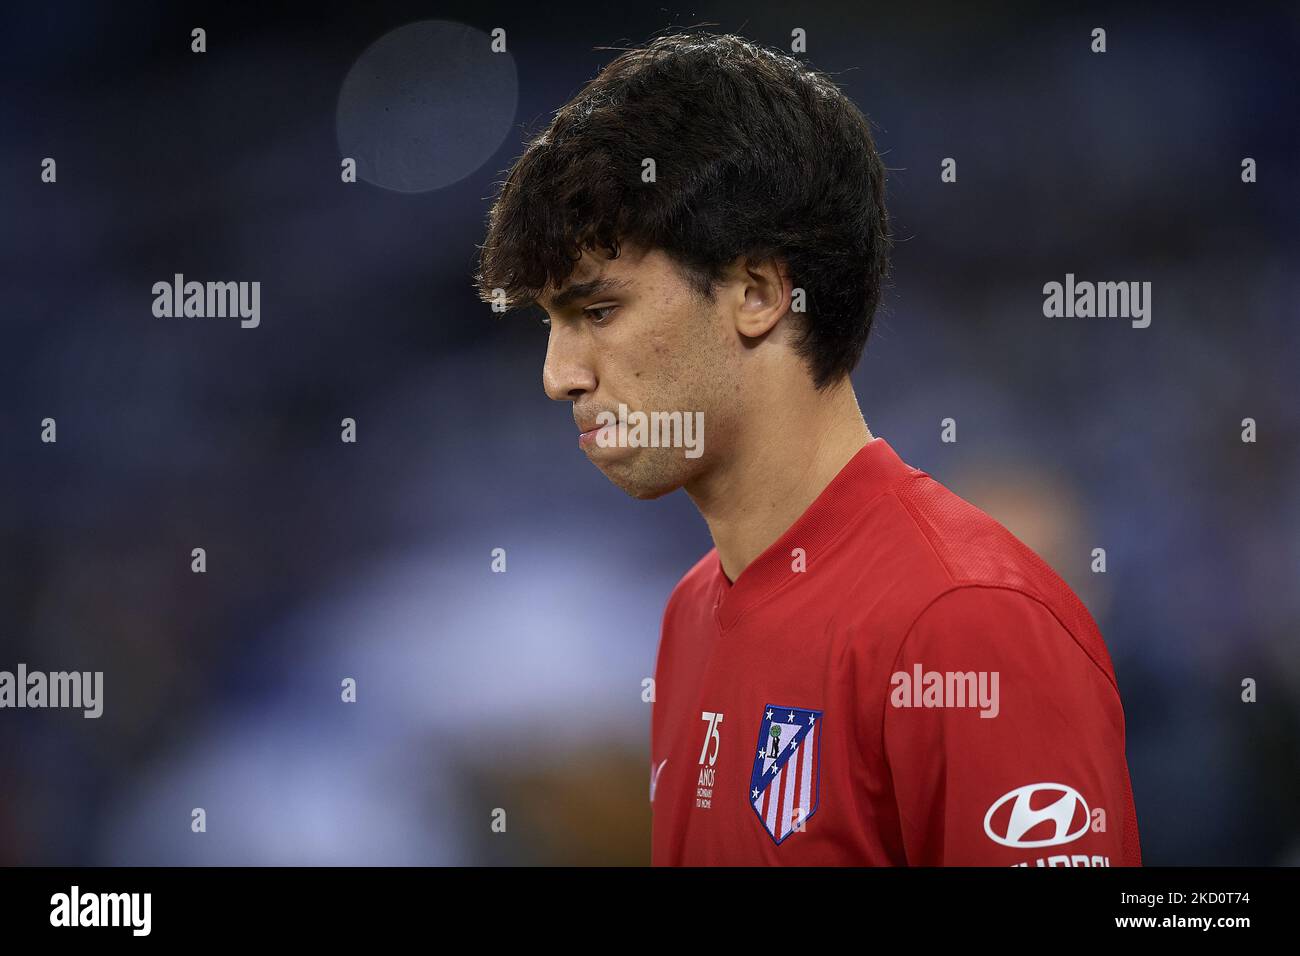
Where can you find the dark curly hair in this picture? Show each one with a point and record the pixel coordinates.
(756, 155)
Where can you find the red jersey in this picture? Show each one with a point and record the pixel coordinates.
(897, 680)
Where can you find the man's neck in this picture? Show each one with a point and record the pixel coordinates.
(777, 471)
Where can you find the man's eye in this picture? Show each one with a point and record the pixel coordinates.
(600, 314)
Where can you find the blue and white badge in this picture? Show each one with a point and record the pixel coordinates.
(783, 788)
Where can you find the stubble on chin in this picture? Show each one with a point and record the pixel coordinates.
(648, 476)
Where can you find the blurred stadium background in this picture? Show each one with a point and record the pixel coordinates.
(523, 690)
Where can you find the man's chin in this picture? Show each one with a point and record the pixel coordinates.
(649, 493)
(640, 483)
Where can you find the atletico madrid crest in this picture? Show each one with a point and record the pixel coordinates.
(783, 788)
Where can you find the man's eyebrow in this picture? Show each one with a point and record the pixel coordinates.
(584, 289)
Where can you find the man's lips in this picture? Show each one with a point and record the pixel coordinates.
(589, 430)
(591, 423)
(588, 438)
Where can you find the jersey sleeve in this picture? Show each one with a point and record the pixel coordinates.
(1004, 739)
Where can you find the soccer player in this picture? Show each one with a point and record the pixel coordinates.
(865, 669)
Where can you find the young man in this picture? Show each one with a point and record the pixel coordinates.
(866, 669)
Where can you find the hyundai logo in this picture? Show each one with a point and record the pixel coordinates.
(1061, 812)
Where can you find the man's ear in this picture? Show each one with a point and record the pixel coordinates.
(762, 295)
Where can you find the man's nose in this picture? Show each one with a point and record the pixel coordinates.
(567, 374)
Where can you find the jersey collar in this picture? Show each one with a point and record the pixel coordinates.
(869, 473)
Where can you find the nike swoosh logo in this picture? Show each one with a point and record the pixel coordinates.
(654, 778)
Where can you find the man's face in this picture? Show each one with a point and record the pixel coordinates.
(637, 335)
